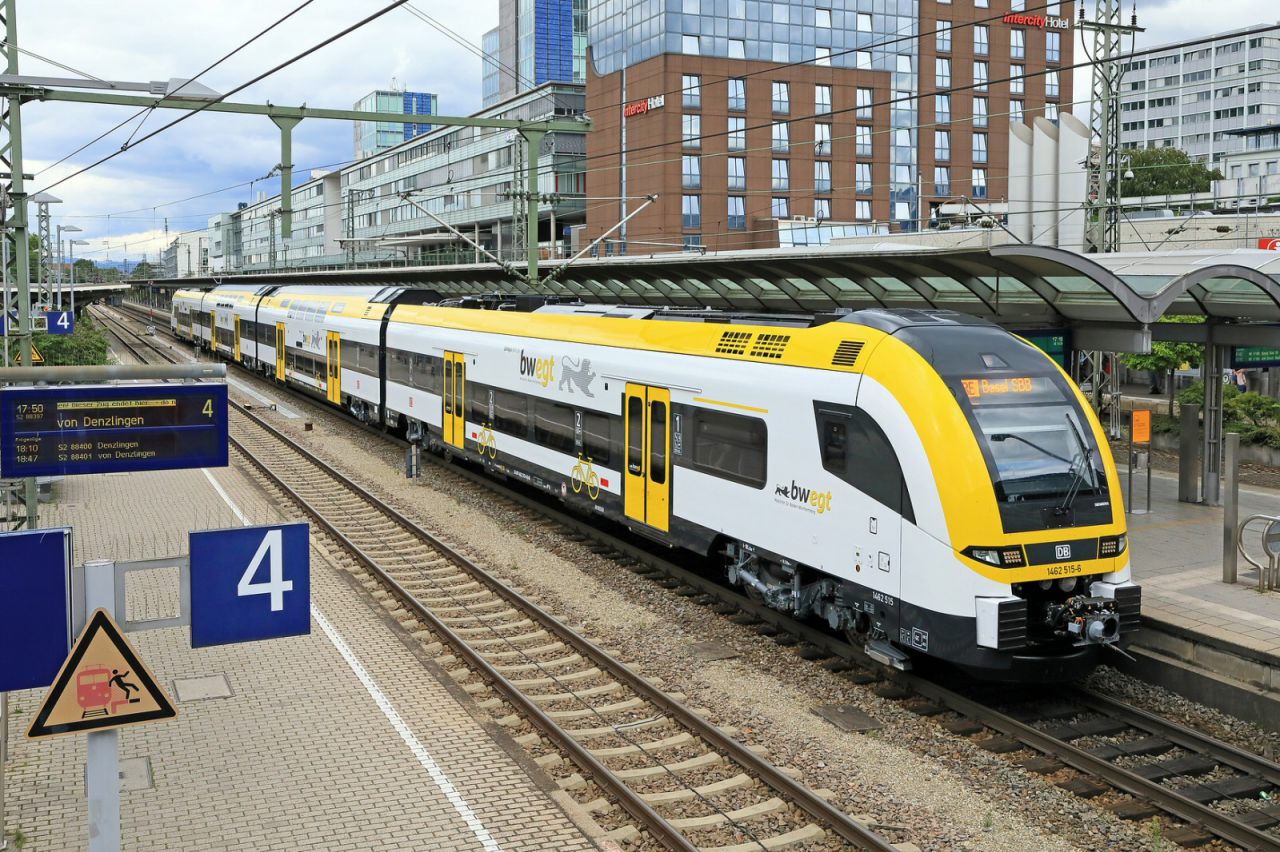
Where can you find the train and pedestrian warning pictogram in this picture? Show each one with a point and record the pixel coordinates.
(103, 684)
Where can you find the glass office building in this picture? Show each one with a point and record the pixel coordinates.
(535, 42)
(374, 136)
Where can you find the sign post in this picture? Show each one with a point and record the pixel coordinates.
(1139, 436)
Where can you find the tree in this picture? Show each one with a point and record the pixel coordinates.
(86, 270)
(1166, 171)
(1165, 357)
(88, 345)
(143, 270)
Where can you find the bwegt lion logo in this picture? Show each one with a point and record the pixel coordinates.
(573, 373)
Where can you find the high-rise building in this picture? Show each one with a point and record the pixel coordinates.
(1194, 98)
(374, 136)
(742, 114)
(536, 42)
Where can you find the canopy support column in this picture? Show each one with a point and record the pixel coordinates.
(1215, 361)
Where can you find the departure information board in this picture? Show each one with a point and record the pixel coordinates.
(75, 429)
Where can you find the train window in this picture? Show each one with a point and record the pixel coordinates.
(730, 446)
(553, 426)
(351, 357)
(635, 435)
(398, 366)
(658, 442)
(510, 412)
(448, 382)
(597, 437)
(856, 449)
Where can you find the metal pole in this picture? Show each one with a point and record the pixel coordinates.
(534, 140)
(1128, 494)
(1230, 507)
(286, 126)
(73, 278)
(102, 765)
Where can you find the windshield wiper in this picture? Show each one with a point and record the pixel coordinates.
(1004, 436)
(1083, 461)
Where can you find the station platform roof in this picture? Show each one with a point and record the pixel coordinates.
(1015, 284)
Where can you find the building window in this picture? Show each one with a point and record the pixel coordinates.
(690, 172)
(1051, 84)
(979, 147)
(781, 136)
(1015, 110)
(942, 180)
(781, 176)
(943, 37)
(865, 97)
(942, 109)
(862, 178)
(942, 73)
(980, 112)
(737, 134)
(862, 141)
(822, 98)
(691, 242)
(822, 209)
(737, 48)
(737, 213)
(822, 176)
(862, 59)
(1053, 47)
(781, 97)
(737, 94)
(942, 144)
(982, 4)
(979, 183)
(862, 209)
(864, 22)
(690, 211)
(692, 84)
(904, 64)
(692, 131)
(1018, 5)
(1017, 84)
(822, 18)
(981, 40)
(822, 140)
(780, 207)
(1051, 111)
(980, 76)
(737, 173)
(1017, 44)
(689, 45)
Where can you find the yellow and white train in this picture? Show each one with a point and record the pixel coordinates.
(923, 480)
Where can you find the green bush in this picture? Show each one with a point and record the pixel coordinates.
(1254, 416)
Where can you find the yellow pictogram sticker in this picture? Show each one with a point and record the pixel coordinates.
(36, 357)
(103, 684)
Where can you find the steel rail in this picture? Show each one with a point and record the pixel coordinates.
(809, 801)
(1167, 800)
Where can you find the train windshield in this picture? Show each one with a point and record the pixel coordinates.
(1041, 452)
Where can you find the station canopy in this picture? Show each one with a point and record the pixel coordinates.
(1014, 284)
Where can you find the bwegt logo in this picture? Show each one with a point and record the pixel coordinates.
(819, 501)
(540, 370)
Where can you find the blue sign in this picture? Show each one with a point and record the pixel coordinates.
(61, 322)
(68, 430)
(250, 583)
(35, 621)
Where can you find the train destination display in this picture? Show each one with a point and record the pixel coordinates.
(62, 431)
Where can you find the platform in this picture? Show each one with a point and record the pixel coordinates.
(339, 739)
(1230, 631)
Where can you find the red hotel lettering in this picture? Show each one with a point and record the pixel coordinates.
(646, 105)
(1038, 21)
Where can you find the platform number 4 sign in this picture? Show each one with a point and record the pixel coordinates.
(250, 583)
(61, 322)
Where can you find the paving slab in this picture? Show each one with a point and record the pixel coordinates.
(344, 738)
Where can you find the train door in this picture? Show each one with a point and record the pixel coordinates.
(280, 351)
(237, 338)
(455, 418)
(334, 384)
(209, 331)
(647, 483)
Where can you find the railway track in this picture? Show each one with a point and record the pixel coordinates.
(685, 781)
(1133, 763)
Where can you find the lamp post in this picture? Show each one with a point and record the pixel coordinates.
(62, 258)
(73, 244)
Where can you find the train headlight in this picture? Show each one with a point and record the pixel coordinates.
(991, 557)
(1112, 546)
(1067, 584)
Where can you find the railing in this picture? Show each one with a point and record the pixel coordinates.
(1268, 575)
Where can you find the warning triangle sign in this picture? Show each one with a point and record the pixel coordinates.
(36, 357)
(103, 684)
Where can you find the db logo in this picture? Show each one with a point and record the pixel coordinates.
(1269, 243)
(1062, 551)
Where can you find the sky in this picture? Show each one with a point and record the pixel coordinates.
(122, 205)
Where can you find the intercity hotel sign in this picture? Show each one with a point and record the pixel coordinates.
(1040, 22)
(642, 106)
